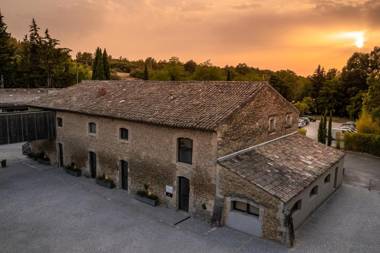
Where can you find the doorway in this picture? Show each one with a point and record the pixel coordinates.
(183, 194)
(124, 174)
(92, 161)
(60, 155)
(336, 177)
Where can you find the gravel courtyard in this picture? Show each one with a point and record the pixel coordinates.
(42, 209)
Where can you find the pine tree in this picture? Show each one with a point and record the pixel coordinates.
(146, 72)
(7, 52)
(106, 65)
(329, 134)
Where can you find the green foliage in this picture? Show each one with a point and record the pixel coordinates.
(366, 124)
(329, 132)
(368, 143)
(302, 131)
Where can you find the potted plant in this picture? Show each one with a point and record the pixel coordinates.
(105, 182)
(3, 163)
(73, 170)
(43, 158)
(147, 197)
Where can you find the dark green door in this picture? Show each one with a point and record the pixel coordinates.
(183, 194)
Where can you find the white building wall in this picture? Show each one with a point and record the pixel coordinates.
(310, 203)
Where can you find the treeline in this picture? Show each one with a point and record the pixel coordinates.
(36, 61)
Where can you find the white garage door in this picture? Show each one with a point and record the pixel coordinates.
(244, 217)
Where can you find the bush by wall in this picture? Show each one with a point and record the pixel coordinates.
(368, 143)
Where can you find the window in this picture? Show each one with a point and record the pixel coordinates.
(272, 124)
(327, 179)
(314, 191)
(59, 122)
(92, 128)
(185, 150)
(297, 206)
(245, 208)
(289, 120)
(123, 133)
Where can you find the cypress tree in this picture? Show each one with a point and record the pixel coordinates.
(6, 53)
(106, 65)
(329, 134)
(324, 128)
(320, 130)
(98, 67)
(146, 72)
(229, 75)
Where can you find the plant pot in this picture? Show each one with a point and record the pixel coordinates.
(146, 200)
(3, 163)
(42, 161)
(105, 183)
(75, 173)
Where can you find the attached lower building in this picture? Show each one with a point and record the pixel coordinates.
(227, 152)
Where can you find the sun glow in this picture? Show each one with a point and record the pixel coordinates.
(358, 38)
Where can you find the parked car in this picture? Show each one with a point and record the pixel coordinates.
(301, 123)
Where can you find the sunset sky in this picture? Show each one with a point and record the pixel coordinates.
(274, 34)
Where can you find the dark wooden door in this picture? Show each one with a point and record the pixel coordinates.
(92, 157)
(183, 194)
(124, 174)
(60, 155)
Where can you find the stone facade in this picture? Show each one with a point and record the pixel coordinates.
(250, 125)
(151, 152)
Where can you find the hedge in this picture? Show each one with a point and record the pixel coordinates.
(368, 143)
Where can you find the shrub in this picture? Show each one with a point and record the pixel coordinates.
(366, 124)
(368, 143)
(302, 131)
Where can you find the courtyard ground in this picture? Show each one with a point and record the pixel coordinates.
(42, 209)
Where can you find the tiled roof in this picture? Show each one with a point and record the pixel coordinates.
(284, 167)
(10, 97)
(189, 104)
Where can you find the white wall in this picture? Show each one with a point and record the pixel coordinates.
(309, 204)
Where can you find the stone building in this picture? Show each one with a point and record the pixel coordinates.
(228, 152)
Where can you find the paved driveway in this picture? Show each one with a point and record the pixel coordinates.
(42, 209)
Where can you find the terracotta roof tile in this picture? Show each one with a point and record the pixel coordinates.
(286, 166)
(189, 104)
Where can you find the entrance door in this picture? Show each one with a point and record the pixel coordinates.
(183, 194)
(336, 177)
(92, 158)
(60, 155)
(124, 174)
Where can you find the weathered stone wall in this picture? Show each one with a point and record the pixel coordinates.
(250, 125)
(151, 152)
(46, 146)
(231, 185)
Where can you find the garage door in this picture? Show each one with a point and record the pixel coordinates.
(244, 217)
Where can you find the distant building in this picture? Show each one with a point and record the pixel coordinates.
(225, 151)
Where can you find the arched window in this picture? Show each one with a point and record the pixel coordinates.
(297, 206)
(185, 150)
(327, 179)
(92, 128)
(314, 191)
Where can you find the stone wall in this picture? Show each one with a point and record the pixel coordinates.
(231, 185)
(250, 125)
(151, 152)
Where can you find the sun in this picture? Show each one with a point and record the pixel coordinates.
(357, 38)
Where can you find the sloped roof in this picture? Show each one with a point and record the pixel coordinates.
(9, 97)
(188, 104)
(284, 167)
